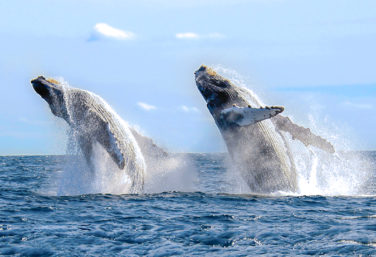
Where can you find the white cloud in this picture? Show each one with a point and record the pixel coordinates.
(185, 108)
(191, 35)
(364, 106)
(105, 30)
(187, 35)
(146, 107)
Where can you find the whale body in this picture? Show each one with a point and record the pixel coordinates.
(92, 122)
(252, 133)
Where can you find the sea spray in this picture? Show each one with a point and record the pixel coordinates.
(173, 173)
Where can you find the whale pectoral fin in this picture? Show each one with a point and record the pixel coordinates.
(87, 148)
(105, 134)
(244, 116)
(112, 145)
(107, 138)
(302, 134)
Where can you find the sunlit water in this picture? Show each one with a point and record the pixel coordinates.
(209, 220)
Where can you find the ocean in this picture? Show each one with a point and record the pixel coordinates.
(209, 220)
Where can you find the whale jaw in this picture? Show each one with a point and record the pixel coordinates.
(53, 94)
(41, 87)
(46, 88)
(217, 91)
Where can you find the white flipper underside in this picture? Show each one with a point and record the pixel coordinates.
(244, 116)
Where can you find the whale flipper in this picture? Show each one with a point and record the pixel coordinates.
(244, 116)
(108, 137)
(86, 147)
(302, 134)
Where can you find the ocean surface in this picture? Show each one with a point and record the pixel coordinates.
(207, 221)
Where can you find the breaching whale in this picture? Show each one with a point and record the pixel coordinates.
(92, 122)
(252, 133)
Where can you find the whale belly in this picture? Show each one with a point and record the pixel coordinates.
(261, 157)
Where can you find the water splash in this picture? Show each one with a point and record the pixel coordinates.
(174, 173)
(103, 176)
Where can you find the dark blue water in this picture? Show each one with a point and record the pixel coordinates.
(207, 223)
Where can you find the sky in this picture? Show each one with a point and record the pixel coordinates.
(317, 58)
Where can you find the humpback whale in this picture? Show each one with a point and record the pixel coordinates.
(92, 122)
(252, 133)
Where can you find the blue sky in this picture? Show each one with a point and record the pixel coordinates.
(316, 58)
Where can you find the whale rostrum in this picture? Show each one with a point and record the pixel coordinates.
(93, 122)
(252, 133)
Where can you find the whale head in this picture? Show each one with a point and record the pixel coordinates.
(218, 92)
(53, 93)
(227, 103)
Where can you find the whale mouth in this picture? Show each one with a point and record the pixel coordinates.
(45, 87)
(217, 91)
(41, 86)
(52, 92)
